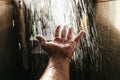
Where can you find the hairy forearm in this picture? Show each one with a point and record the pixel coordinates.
(57, 69)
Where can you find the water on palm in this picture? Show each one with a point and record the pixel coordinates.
(45, 15)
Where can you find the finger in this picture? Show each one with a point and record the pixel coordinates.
(78, 37)
(64, 31)
(45, 45)
(57, 31)
(41, 39)
(70, 33)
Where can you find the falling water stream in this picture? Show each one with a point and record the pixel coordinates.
(45, 15)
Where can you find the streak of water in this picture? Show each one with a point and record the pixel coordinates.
(45, 15)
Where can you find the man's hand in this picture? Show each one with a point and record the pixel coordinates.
(60, 48)
(63, 43)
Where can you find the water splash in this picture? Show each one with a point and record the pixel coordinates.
(45, 15)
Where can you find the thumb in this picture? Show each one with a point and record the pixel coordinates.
(41, 39)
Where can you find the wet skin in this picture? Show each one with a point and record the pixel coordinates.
(60, 49)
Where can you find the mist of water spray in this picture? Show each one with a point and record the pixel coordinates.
(45, 15)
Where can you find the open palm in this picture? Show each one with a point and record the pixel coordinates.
(63, 42)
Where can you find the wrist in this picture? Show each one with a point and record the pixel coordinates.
(60, 57)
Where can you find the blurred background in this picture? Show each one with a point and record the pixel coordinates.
(97, 57)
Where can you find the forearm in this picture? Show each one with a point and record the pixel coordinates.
(57, 69)
(62, 49)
